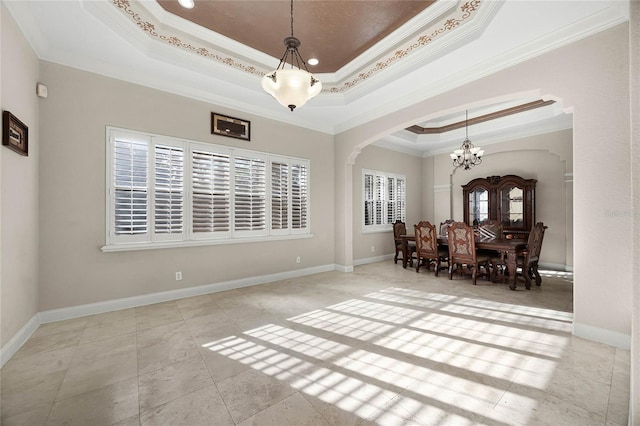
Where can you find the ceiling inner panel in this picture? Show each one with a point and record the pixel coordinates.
(335, 32)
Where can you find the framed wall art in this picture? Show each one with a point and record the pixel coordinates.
(229, 126)
(15, 135)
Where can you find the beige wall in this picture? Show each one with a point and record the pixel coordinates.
(19, 180)
(73, 118)
(384, 160)
(547, 158)
(590, 77)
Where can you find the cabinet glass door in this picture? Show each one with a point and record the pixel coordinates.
(478, 206)
(512, 207)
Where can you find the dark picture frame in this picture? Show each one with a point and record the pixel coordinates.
(15, 134)
(232, 127)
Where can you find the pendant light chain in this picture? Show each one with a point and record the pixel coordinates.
(291, 18)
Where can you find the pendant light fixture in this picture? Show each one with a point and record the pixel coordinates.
(294, 86)
(468, 155)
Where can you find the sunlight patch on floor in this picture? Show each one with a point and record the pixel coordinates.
(400, 354)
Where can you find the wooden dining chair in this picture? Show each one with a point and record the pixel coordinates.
(462, 251)
(399, 228)
(527, 261)
(444, 226)
(427, 249)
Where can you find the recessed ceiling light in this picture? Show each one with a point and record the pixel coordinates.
(188, 4)
(313, 61)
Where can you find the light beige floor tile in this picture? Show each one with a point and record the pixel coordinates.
(211, 327)
(34, 417)
(104, 406)
(529, 406)
(106, 330)
(571, 387)
(173, 381)
(202, 407)
(156, 315)
(28, 367)
(76, 324)
(187, 302)
(111, 317)
(161, 346)
(30, 393)
(99, 364)
(221, 366)
(50, 342)
(248, 393)
(293, 410)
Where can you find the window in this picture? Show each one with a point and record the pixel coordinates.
(384, 200)
(163, 191)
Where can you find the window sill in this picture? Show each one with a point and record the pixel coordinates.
(198, 243)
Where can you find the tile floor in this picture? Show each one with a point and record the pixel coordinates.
(382, 345)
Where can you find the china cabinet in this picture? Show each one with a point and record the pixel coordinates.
(509, 200)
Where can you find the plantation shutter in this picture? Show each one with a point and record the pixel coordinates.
(130, 189)
(211, 184)
(299, 196)
(401, 200)
(250, 195)
(368, 200)
(168, 191)
(379, 199)
(391, 200)
(279, 196)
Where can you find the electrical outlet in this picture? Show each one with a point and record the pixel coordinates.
(298, 259)
(178, 276)
(373, 248)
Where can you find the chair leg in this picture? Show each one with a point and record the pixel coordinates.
(418, 262)
(450, 270)
(474, 273)
(437, 266)
(536, 274)
(395, 258)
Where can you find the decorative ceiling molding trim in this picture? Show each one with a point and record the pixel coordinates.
(467, 10)
(150, 25)
(150, 29)
(480, 119)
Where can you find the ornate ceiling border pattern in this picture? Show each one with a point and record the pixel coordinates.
(466, 11)
(175, 41)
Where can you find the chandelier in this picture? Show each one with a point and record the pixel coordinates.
(468, 155)
(292, 87)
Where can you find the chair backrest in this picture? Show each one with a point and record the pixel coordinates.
(462, 246)
(444, 226)
(490, 229)
(399, 228)
(426, 239)
(534, 244)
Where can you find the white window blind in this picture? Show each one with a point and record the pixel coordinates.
(164, 192)
(384, 200)
(169, 190)
(130, 187)
(250, 194)
(279, 195)
(211, 174)
(300, 196)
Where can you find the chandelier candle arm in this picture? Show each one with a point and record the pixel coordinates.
(291, 87)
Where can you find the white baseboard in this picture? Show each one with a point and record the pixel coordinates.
(18, 339)
(556, 267)
(344, 268)
(78, 311)
(608, 337)
(372, 259)
(164, 296)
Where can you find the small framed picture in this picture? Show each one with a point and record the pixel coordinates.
(15, 135)
(230, 126)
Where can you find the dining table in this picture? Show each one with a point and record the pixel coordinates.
(508, 248)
